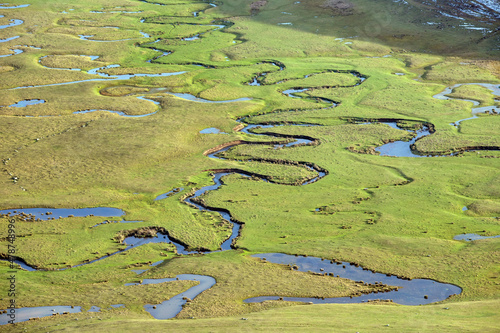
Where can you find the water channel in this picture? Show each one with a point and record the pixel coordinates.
(414, 292)
(434, 291)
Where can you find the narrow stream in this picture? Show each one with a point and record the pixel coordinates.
(98, 71)
(402, 148)
(44, 214)
(25, 103)
(7, 6)
(419, 291)
(13, 23)
(166, 310)
(495, 89)
(170, 308)
(410, 292)
(25, 314)
(169, 193)
(8, 39)
(14, 52)
(414, 292)
(123, 114)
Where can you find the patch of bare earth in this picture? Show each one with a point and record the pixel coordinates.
(340, 7)
(256, 6)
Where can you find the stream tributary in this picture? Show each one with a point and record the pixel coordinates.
(414, 292)
(411, 293)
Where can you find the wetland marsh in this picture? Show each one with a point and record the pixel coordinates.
(210, 133)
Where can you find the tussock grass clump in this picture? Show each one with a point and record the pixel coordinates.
(144, 232)
(123, 90)
(484, 208)
(70, 62)
(341, 7)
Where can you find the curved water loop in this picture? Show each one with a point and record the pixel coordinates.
(166, 310)
(169, 193)
(413, 292)
(170, 308)
(98, 71)
(225, 214)
(123, 114)
(248, 129)
(408, 292)
(13, 23)
(401, 148)
(405, 148)
(490, 109)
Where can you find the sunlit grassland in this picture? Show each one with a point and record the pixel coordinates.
(71, 98)
(392, 215)
(464, 316)
(371, 196)
(70, 161)
(449, 72)
(482, 126)
(478, 93)
(449, 142)
(106, 284)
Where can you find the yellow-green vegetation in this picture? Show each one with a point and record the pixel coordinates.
(474, 92)
(362, 63)
(463, 317)
(226, 297)
(451, 72)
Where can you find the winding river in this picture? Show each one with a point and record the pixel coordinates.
(494, 88)
(13, 23)
(436, 291)
(411, 292)
(402, 148)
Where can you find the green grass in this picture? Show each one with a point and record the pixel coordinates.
(474, 92)
(450, 73)
(464, 317)
(392, 215)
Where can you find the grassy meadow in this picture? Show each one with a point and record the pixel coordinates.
(376, 60)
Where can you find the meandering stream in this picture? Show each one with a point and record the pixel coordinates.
(414, 292)
(495, 89)
(170, 308)
(410, 292)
